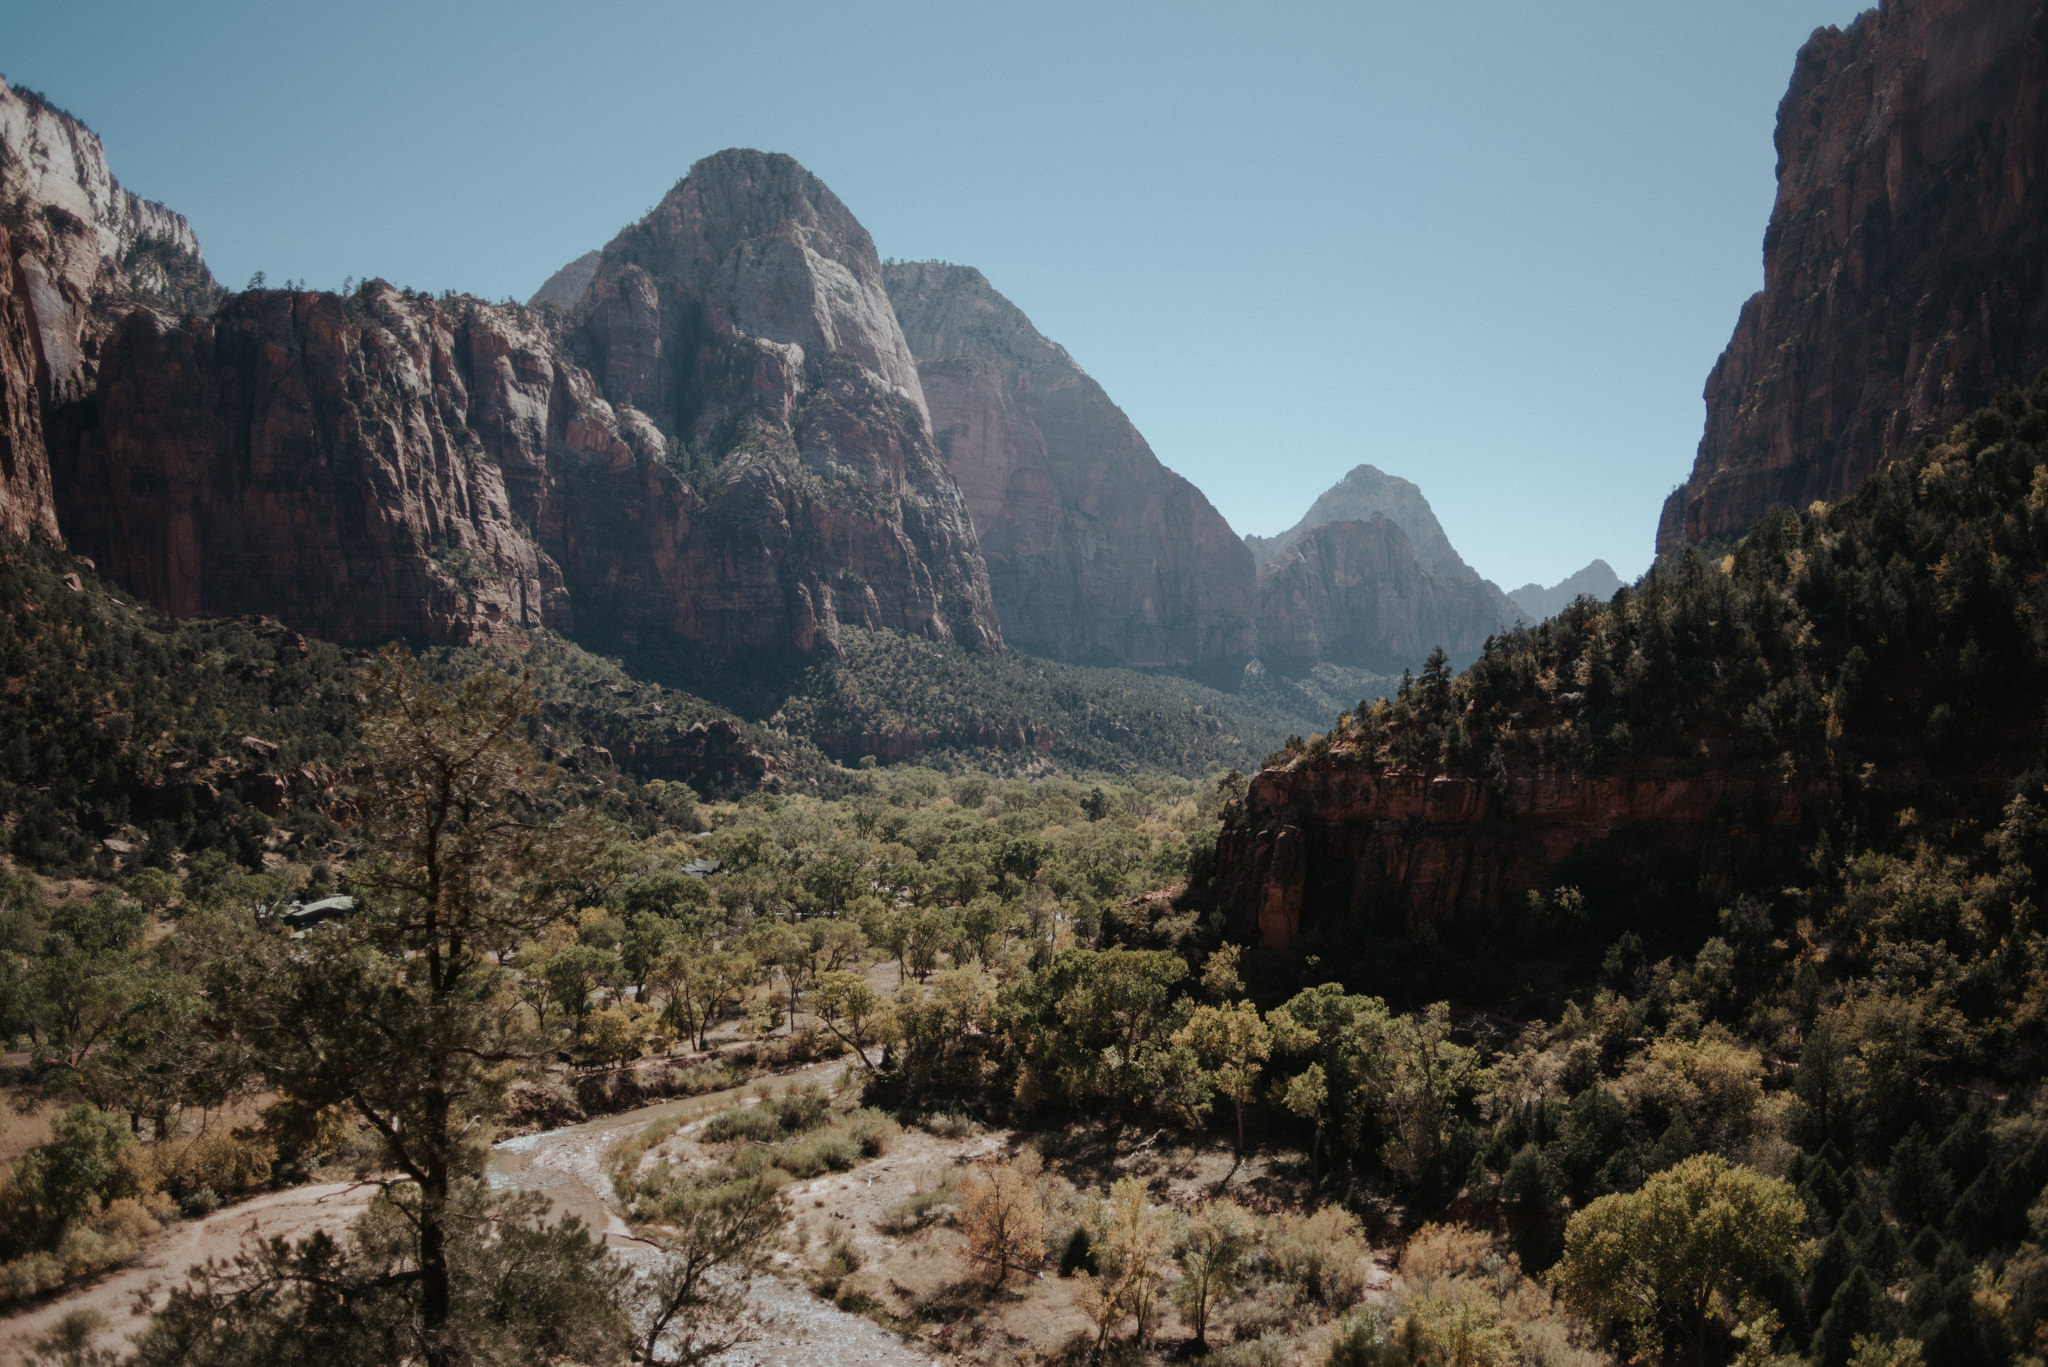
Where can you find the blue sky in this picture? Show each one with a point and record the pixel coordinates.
(1491, 247)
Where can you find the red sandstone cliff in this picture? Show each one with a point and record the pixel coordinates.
(1393, 850)
(1906, 262)
(27, 506)
(311, 458)
(1096, 552)
(1354, 593)
(746, 319)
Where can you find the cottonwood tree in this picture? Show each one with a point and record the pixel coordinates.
(1682, 1251)
(1233, 1044)
(1132, 1239)
(855, 1014)
(1214, 1247)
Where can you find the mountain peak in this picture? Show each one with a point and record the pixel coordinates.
(1365, 490)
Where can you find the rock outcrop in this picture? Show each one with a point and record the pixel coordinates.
(1355, 593)
(1096, 552)
(76, 253)
(27, 506)
(746, 322)
(1390, 851)
(1537, 603)
(1905, 265)
(326, 461)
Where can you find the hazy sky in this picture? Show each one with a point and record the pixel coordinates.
(1493, 248)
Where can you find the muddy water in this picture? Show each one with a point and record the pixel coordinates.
(568, 1167)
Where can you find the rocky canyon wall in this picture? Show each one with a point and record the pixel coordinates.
(77, 251)
(746, 320)
(1905, 265)
(1327, 843)
(1096, 552)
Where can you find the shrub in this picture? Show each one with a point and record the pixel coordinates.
(1320, 1257)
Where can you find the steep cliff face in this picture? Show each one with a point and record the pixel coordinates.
(1905, 265)
(746, 319)
(87, 249)
(318, 459)
(1356, 593)
(1096, 552)
(1392, 851)
(27, 506)
(76, 253)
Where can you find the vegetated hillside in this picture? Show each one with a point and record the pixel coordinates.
(893, 697)
(1838, 665)
(1861, 1012)
(167, 737)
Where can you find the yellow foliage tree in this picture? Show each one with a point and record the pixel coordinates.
(1132, 1240)
(1003, 1217)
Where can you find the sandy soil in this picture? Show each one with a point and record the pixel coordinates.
(118, 1294)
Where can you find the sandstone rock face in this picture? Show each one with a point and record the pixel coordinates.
(86, 247)
(1393, 851)
(1537, 603)
(317, 459)
(1096, 552)
(745, 319)
(76, 252)
(27, 506)
(1906, 262)
(1356, 593)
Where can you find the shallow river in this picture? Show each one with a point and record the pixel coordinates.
(568, 1167)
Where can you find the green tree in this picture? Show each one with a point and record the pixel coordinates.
(1213, 1250)
(1670, 1259)
(402, 1013)
(1234, 1044)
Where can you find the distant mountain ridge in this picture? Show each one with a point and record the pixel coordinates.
(1598, 580)
(1366, 490)
(1368, 577)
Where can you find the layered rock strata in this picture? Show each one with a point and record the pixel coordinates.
(746, 318)
(1097, 553)
(1355, 593)
(1391, 851)
(326, 461)
(1905, 265)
